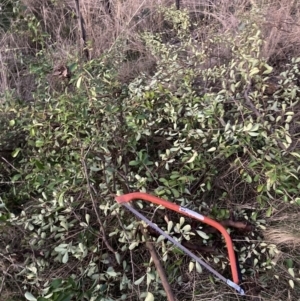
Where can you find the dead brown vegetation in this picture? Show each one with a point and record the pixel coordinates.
(118, 28)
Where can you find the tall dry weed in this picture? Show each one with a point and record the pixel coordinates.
(14, 76)
(117, 27)
(281, 30)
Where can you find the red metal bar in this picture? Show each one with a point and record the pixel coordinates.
(150, 198)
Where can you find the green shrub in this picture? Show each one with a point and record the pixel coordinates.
(206, 137)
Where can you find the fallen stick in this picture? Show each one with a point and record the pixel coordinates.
(159, 268)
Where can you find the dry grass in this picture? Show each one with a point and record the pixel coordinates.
(119, 27)
(13, 75)
(281, 29)
(283, 237)
(284, 229)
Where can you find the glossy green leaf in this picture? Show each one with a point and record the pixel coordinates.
(65, 258)
(191, 266)
(291, 272)
(140, 280)
(30, 297)
(199, 268)
(202, 234)
(16, 152)
(149, 297)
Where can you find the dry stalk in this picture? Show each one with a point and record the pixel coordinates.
(82, 30)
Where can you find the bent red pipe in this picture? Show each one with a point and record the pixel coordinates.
(182, 210)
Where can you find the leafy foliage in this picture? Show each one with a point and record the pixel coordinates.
(208, 137)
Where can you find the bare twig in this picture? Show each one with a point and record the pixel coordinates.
(2, 282)
(6, 273)
(10, 165)
(102, 230)
(11, 183)
(159, 268)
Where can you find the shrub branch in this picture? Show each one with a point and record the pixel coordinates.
(95, 206)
